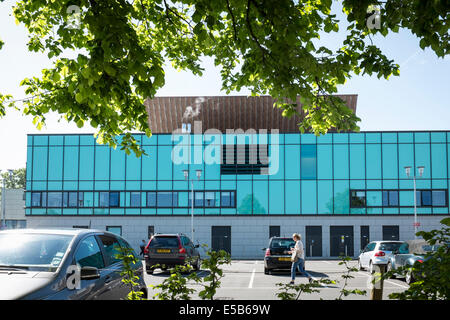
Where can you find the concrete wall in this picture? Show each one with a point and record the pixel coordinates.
(15, 204)
(249, 234)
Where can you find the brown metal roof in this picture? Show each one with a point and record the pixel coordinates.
(166, 114)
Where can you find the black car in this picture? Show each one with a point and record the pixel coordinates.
(63, 264)
(277, 255)
(169, 250)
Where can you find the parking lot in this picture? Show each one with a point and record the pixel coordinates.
(245, 280)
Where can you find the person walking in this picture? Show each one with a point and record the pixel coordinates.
(298, 258)
(142, 246)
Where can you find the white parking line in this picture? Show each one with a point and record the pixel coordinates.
(401, 286)
(250, 285)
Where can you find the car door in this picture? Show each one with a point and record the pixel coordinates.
(88, 254)
(114, 288)
(402, 255)
(367, 254)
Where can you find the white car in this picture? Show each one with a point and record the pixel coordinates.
(377, 253)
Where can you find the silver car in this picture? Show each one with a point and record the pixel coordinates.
(63, 264)
(377, 253)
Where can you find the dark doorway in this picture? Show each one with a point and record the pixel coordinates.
(221, 238)
(274, 231)
(313, 241)
(391, 233)
(341, 241)
(365, 237)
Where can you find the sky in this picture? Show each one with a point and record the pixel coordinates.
(419, 99)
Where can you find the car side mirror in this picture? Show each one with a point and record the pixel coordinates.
(89, 273)
(197, 246)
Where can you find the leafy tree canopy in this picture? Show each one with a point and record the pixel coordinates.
(270, 47)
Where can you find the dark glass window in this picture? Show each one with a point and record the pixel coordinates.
(358, 199)
(439, 198)
(227, 199)
(426, 198)
(114, 199)
(54, 199)
(135, 199)
(167, 199)
(70, 199)
(244, 159)
(88, 254)
(390, 198)
(151, 199)
(35, 199)
(210, 200)
(110, 245)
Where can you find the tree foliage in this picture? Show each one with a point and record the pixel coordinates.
(16, 180)
(270, 47)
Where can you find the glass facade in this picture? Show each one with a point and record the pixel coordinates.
(291, 174)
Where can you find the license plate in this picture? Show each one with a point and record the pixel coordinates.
(163, 250)
(284, 259)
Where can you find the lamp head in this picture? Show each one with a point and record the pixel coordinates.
(420, 169)
(186, 174)
(199, 173)
(408, 171)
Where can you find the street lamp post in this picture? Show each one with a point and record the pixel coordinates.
(408, 173)
(186, 177)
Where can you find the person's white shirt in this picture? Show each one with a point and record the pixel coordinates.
(299, 249)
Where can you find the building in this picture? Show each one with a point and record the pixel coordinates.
(14, 215)
(339, 190)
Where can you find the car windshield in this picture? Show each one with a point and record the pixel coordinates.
(32, 251)
(164, 242)
(282, 243)
(390, 246)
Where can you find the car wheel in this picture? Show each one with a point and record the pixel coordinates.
(360, 267)
(266, 271)
(149, 271)
(197, 265)
(389, 269)
(371, 271)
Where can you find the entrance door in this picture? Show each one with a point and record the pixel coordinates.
(313, 241)
(341, 241)
(391, 233)
(365, 237)
(221, 238)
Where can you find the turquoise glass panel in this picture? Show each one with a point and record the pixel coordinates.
(292, 188)
(341, 161)
(260, 197)
(358, 184)
(152, 140)
(373, 137)
(244, 197)
(325, 196)
(421, 137)
(438, 137)
(165, 139)
(115, 185)
(405, 137)
(276, 197)
(40, 140)
(357, 137)
(292, 161)
(406, 198)
(55, 163)
(340, 137)
(308, 138)
(40, 163)
(309, 197)
(438, 161)
(373, 184)
(164, 162)
(102, 163)
(390, 184)
(373, 161)
(423, 159)
(87, 140)
(86, 163)
(133, 167)
(71, 140)
(56, 140)
(308, 160)
(390, 161)
(389, 210)
(117, 164)
(325, 138)
(405, 158)
(324, 162)
(30, 140)
(29, 163)
(86, 185)
(341, 197)
(70, 163)
(357, 161)
(374, 198)
(389, 137)
(149, 163)
(292, 138)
